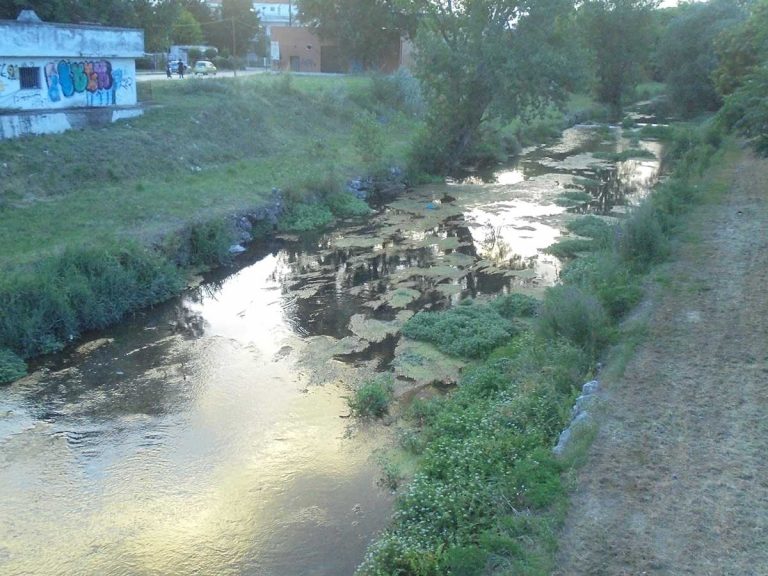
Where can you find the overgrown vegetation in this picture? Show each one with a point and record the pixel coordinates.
(51, 303)
(373, 397)
(115, 221)
(488, 494)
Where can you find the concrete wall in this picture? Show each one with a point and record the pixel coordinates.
(68, 83)
(14, 125)
(35, 39)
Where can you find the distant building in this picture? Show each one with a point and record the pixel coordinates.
(54, 77)
(276, 13)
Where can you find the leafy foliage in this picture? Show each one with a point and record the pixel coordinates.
(474, 65)
(469, 331)
(576, 315)
(365, 30)
(372, 398)
(80, 290)
(11, 366)
(742, 49)
(690, 38)
(618, 33)
(746, 110)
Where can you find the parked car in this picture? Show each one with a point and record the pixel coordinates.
(203, 68)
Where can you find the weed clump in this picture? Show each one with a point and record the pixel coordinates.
(54, 302)
(11, 366)
(578, 316)
(469, 331)
(372, 398)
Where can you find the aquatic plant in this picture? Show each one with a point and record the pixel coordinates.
(372, 398)
(470, 331)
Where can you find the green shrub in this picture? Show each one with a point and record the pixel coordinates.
(470, 331)
(11, 366)
(641, 239)
(567, 248)
(368, 137)
(573, 198)
(592, 227)
(306, 217)
(345, 205)
(513, 305)
(372, 398)
(607, 276)
(209, 243)
(52, 303)
(570, 312)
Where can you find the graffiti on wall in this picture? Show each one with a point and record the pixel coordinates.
(97, 79)
(9, 71)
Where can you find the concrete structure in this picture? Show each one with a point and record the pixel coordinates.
(54, 77)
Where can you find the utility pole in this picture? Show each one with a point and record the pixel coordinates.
(290, 13)
(234, 49)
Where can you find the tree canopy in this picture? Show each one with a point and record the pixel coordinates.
(480, 59)
(687, 54)
(619, 34)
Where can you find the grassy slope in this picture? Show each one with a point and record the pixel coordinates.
(207, 148)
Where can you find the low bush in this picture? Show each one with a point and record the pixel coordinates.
(574, 314)
(641, 238)
(567, 248)
(609, 278)
(51, 304)
(592, 227)
(346, 205)
(372, 398)
(469, 331)
(573, 198)
(11, 366)
(306, 217)
(512, 306)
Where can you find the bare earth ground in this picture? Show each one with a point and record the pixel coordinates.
(677, 478)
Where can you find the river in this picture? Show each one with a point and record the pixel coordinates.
(211, 434)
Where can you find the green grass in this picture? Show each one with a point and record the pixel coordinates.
(204, 150)
(114, 216)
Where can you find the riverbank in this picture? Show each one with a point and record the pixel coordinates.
(116, 219)
(675, 479)
(487, 492)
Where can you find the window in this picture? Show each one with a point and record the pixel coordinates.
(30, 77)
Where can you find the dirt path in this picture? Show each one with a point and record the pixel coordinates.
(677, 480)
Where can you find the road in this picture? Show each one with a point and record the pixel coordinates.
(160, 75)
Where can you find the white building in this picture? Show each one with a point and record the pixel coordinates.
(276, 14)
(54, 77)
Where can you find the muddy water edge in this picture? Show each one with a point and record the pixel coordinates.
(211, 435)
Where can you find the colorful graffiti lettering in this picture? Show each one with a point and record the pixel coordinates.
(52, 78)
(9, 71)
(97, 79)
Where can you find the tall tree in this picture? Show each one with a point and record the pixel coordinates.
(687, 56)
(742, 49)
(186, 29)
(236, 27)
(619, 34)
(480, 59)
(742, 77)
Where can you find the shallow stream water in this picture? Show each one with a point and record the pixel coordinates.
(211, 435)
